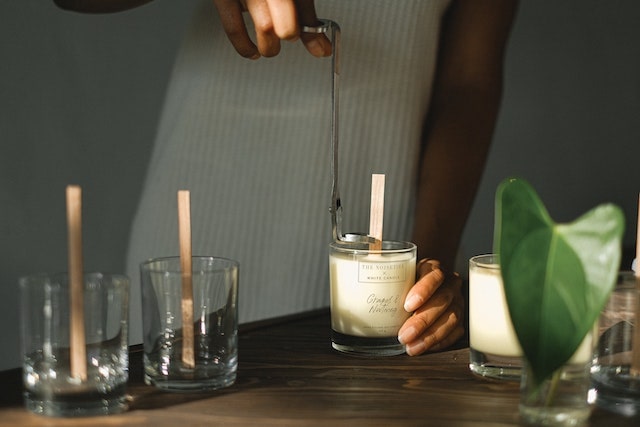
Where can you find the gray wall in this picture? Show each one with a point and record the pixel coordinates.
(80, 98)
(570, 119)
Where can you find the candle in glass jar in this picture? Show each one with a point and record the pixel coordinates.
(491, 330)
(368, 291)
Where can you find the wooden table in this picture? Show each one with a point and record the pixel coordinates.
(290, 376)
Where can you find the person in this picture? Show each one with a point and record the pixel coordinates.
(421, 83)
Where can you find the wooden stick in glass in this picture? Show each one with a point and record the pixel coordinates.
(635, 353)
(78, 351)
(184, 229)
(377, 211)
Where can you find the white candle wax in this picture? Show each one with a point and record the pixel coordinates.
(490, 327)
(368, 292)
(584, 353)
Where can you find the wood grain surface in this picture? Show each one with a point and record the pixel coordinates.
(290, 376)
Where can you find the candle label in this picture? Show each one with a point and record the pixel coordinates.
(367, 294)
(381, 272)
(383, 304)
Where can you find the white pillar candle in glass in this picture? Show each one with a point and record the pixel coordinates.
(368, 289)
(494, 348)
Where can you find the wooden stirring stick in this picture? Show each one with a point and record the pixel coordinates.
(377, 211)
(635, 353)
(184, 228)
(78, 349)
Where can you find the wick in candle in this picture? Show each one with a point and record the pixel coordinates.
(184, 228)
(76, 283)
(635, 353)
(377, 211)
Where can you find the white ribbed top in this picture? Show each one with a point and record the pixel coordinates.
(251, 141)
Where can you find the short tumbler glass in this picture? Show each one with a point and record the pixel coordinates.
(50, 387)
(617, 385)
(215, 315)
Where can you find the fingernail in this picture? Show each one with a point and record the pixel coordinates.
(407, 335)
(315, 47)
(412, 303)
(415, 349)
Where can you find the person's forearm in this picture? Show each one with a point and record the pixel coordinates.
(99, 6)
(459, 138)
(459, 128)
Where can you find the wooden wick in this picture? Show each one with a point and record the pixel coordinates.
(377, 211)
(78, 351)
(184, 228)
(635, 353)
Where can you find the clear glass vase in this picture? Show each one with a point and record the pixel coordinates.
(563, 399)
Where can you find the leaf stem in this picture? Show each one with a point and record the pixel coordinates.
(553, 387)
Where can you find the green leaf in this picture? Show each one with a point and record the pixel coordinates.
(557, 277)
